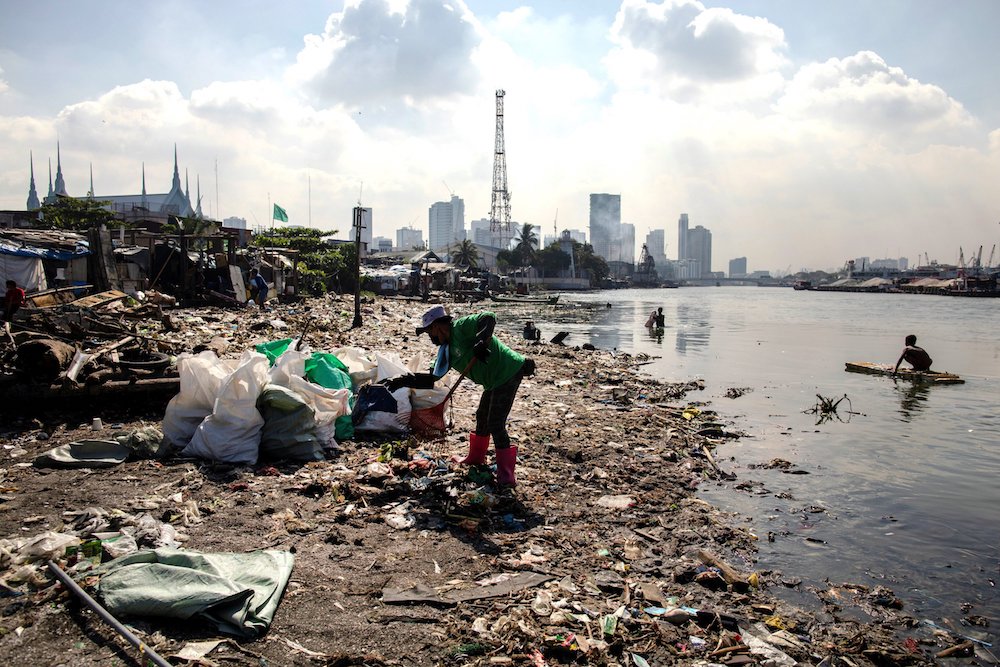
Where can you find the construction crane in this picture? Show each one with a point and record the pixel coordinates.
(989, 263)
(979, 260)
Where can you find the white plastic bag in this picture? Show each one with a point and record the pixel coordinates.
(389, 365)
(421, 399)
(291, 363)
(232, 432)
(360, 366)
(201, 377)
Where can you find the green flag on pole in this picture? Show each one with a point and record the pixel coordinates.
(279, 214)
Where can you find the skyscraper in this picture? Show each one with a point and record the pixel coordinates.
(682, 237)
(627, 241)
(446, 223)
(656, 246)
(738, 267)
(699, 248)
(409, 238)
(605, 224)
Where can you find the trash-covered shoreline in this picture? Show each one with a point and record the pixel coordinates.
(602, 555)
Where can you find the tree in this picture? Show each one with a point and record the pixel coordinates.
(466, 254)
(78, 214)
(527, 240)
(588, 261)
(552, 260)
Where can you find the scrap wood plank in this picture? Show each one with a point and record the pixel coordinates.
(99, 299)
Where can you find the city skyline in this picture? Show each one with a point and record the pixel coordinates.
(802, 133)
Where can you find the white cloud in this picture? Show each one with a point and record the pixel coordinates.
(864, 95)
(683, 48)
(374, 51)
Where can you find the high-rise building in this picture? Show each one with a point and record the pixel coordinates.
(738, 267)
(480, 233)
(446, 223)
(656, 246)
(605, 224)
(699, 247)
(409, 238)
(627, 243)
(682, 237)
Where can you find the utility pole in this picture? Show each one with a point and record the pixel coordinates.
(358, 219)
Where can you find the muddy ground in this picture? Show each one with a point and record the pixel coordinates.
(604, 511)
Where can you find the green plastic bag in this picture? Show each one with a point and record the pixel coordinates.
(328, 371)
(273, 349)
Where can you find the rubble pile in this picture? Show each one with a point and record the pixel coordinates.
(602, 555)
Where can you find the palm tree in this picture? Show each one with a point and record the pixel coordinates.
(466, 254)
(527, 241)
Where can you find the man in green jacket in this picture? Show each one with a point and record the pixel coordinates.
(468, 345)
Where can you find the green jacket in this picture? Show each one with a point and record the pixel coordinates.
(500, 366)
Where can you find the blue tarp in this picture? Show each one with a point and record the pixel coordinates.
(8, 247)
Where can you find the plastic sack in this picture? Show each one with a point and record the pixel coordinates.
(47, 545)
(331, 407)
(360, 367)
(379, 411)
(232, 432)
(291, 363)
(327, 370)
(389, 365)
(289, 431)
(201, 377)
(427, 398)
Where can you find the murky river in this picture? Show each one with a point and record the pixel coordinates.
(905, 494)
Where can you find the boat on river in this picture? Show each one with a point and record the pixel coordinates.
(930, 377)
(512, 298)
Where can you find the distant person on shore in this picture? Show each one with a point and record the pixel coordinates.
(916, 356)
(659, 318)
(258, 287)
(13, 300)
(531, 332)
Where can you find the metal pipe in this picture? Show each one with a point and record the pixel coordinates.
(106, 616)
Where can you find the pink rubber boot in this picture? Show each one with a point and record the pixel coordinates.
(478, 444)
(506, 460)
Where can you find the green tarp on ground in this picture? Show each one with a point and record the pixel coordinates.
(237, 593)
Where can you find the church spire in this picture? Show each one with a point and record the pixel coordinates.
(32, 195)
(144, 205)
(60, 183)
(197, 210)
(51, 192)
(176, 184)
(91, 193)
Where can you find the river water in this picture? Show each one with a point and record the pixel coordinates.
(909, 489)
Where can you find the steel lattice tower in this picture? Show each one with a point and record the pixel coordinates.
(500, 202)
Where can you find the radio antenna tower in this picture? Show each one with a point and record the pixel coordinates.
(500, 202)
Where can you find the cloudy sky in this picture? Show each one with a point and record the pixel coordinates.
(800, 133)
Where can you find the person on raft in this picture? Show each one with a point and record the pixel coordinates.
(917, 357)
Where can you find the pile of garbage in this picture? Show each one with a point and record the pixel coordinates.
(601, 556)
